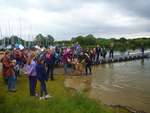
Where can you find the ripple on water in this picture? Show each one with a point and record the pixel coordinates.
(125, 83)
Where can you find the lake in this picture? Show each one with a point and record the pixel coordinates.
(126, 84)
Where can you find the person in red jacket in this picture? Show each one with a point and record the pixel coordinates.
(8, 73)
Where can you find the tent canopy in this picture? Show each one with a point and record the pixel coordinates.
(19, 46)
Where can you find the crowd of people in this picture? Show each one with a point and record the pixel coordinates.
(39, 64)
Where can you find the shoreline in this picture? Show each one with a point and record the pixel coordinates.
(130, 109)
(87, 91)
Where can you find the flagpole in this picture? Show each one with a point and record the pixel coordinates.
(1, 35)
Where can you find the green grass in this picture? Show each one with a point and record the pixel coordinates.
(63, 101)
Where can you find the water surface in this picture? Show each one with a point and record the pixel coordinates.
(126, 83)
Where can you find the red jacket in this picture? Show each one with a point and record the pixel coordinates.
(7, 67)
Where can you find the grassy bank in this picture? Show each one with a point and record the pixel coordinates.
(63, 101)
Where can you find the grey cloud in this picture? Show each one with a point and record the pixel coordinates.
(138, 9)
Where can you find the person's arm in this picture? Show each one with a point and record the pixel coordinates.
(30, 69)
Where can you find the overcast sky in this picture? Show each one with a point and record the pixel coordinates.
(64, 19)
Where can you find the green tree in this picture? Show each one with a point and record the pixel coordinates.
(49, 40)
(40, 40)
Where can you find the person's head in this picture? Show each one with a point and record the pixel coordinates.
(14, 62)
(112, 44)
(97, 45)
(31, 57)
(91, 51)
(94, 49)
(40, 61)
(7, 53)
(52, 50)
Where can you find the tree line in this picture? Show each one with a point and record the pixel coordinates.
(88, 41)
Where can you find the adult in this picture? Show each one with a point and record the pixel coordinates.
(104, 52)
(98, 52)
(66, 58)
(50, 60)
(77, 49)
(111, 52)
(8, 74)
(88, 64)
(142, 49)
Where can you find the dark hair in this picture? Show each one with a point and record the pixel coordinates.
(39, 61)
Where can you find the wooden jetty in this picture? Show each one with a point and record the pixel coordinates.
(126, 57)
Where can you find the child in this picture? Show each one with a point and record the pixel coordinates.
(31, 71)
(42, 77)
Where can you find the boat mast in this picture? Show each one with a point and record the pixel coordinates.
(1, 35)
(9, 32)
(20, 30)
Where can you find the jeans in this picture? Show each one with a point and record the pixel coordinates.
(32, 85)
(11, 83)
(43, 88)
(97, 57)
(51, 70)
(111, 54)
(65, 68)
(88, 66)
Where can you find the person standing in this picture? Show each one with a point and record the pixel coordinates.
(42, 77)
(104, 52)
(98, 52)
(8, 74)
(88, 64)
(142, 49)
(50, 63)
(66, 60)
(31, 71)
(111, 52)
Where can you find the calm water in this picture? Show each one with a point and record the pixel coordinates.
(126, 84)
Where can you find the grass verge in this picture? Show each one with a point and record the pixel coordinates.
(62, 100)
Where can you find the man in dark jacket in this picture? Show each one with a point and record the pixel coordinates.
(111, 52)
(98, 52)
(50, 63)
(87, 64)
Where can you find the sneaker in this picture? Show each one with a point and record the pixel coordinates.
(42, 98)
(36, 94)
(47, 96)
(12, 90)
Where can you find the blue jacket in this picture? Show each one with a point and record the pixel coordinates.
(41, 72)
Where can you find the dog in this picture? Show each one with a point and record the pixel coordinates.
(78, 67)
